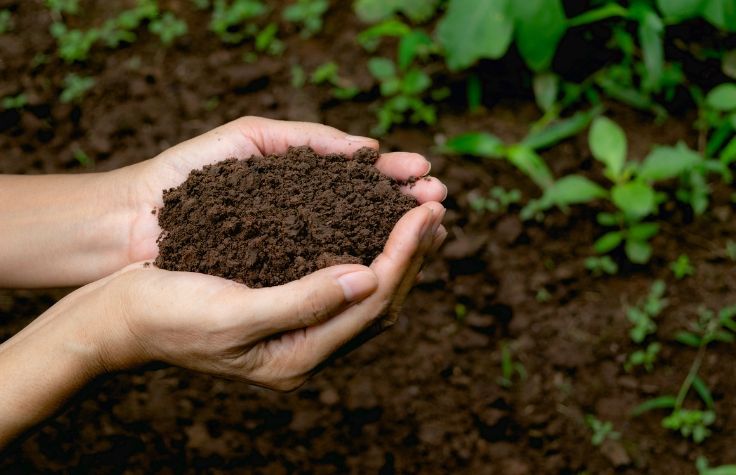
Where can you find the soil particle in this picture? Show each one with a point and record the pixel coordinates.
(270, 220)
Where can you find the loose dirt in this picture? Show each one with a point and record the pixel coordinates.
(269, 220)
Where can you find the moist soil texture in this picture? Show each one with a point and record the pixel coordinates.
(269, 220)
(424, 397)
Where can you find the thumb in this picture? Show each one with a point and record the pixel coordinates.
(310, 300)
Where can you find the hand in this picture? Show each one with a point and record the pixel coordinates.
(143, 183)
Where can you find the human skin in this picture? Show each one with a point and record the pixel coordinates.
(71, 230)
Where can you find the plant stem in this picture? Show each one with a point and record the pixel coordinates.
(694, 368)
(592, 16)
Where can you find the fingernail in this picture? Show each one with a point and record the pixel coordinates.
(446, 192)
(358, 285)
(429, 168)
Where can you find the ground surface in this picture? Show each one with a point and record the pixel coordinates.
(423, 398)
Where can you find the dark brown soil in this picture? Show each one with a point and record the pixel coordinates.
(269, 220)
(423, 398)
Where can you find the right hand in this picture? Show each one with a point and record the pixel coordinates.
(272, 337)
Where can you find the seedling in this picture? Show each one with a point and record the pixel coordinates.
(168, 28)
(599, 265)
(298, 76)
(308, 13)
(14, 102)
(731, 250)
(543, 295)
(498, 200)
(509, 367)
(602, 430)
(267, 42)
(642, 316)
(704, 468)
(74, 45)
(75, 87)
(232, 21)
(6, 21)
(682, 267)
(461, 311)
(70, 7)
(82, 157)
(645, 358)
(692, 423)
(371, 11)
(328, 73)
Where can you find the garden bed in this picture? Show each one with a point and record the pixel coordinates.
(431, 395)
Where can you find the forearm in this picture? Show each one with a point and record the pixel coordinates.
(40, 368)
(60, 230)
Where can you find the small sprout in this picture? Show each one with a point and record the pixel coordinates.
(308, 13)
(82, 157)
(690, 423)
(14, 102)
(6, 21)
(231, 20)
(168, 27)
(642, 316)
(74, 45)
(731, 250)
(498, 200)
(602, 430)
(543, 295)
(704, 468)
(328, 73)
(39, 59)
(211, 103)
(70, 7)
(599, 265)
(75, 87)
(682, 267)
(461, 311)
(509, 367)
(645, 358)
(266, 40)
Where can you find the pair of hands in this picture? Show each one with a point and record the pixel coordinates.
(272, 337)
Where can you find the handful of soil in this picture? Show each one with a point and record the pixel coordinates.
(269, 220)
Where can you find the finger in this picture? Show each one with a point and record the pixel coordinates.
(391, 267)
(308, 301)
(276, 136)
(403, 165)
(426, 190)
(439, 239)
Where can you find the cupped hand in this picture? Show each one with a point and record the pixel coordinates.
(242, 139)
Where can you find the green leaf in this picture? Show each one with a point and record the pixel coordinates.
(689, 339)
(665, 163)
(607, 219)
(638, 252)
(636, 199)
(473, 30)
(608, 242)
(560, 130)
(662, 402)
(410, 46)
(721, 13)
(479, 144)
(702, 389)
(546, 89)
(572, 189)
(643, 231)
(681, 9)
(382, 68)
(415, 82)
(651, 30)
(533, 166)
(722, 97)
(608, 145)
(370, 38)
(540, 24)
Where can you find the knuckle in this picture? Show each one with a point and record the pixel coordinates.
(310, 309)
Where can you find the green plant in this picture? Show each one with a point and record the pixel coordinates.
(599, 265)
(461, 311)
(642, 316)
(731, 250)
(267, 41)
(6, 21)
(376, 10)
(82, 157)
(646, 357)
(682, 267)
(14, 102)
(329, 73)
(509, 367)
(308, 13)
(602, 430)
(498, 200)
(298, 76)
(168, 27)
(701, 464)
(75, 87)
(70, 7)
(690, 423)
(74, 45)
(231, 21)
